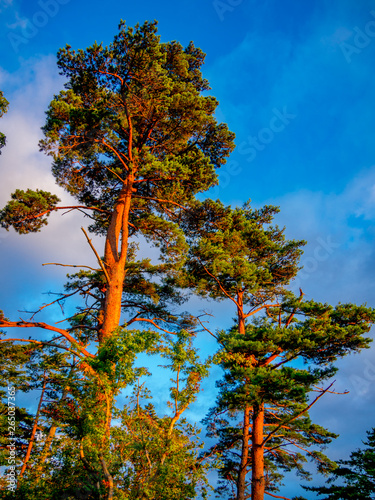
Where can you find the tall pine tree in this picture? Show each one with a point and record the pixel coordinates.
(261, 420)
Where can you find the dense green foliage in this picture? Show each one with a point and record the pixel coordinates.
(133, 138)
(25, 203)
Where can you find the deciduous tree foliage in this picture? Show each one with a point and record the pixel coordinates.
(146, 450)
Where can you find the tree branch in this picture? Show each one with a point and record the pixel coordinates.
(52, 344)
(298, 415)
(68, 265)
(97, 256)
(275, 496)
(45, 326)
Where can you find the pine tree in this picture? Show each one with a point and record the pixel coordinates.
(354, 478)
(133, 139)
(261, 420)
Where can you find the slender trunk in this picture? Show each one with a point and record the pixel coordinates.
(241, 481)
(34, 429)
(108, 477)
(257, 454)
(116, 248)
(240, 314)
(47, 444)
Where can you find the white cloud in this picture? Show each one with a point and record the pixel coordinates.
(29, 91)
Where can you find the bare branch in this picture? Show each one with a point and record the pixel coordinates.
(69, 208)
(97, 256)
(207, 330)
(29, 324)
(299, 414)
(152, 322)
(220, 285)
(68, 265)
(275, 496)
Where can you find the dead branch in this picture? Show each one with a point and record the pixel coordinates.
(97, 256)
(30, 324)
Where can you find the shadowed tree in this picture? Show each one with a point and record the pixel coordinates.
(353, 478)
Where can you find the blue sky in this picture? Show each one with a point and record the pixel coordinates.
(294, 82)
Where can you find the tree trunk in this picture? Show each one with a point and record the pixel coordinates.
(240, 314)
(108, 477)
(47, 444)
(116, 248)
(34, 429)
(241, 481)
(257, 454)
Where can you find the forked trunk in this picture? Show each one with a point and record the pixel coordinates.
(115, 255)
(116, 248)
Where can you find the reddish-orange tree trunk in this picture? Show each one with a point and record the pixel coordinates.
(241, 481)
(116, 248)
(257, 454)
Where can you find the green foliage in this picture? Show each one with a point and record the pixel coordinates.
(236, 251)
(133, 139)
(28, 210)
(4, 104)
(145, 450)
(158, 460)
(165, 450)
(353, 478)
(189, 371)
(262, 367)
(239, 256)
(135, 110)
(22, 370)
